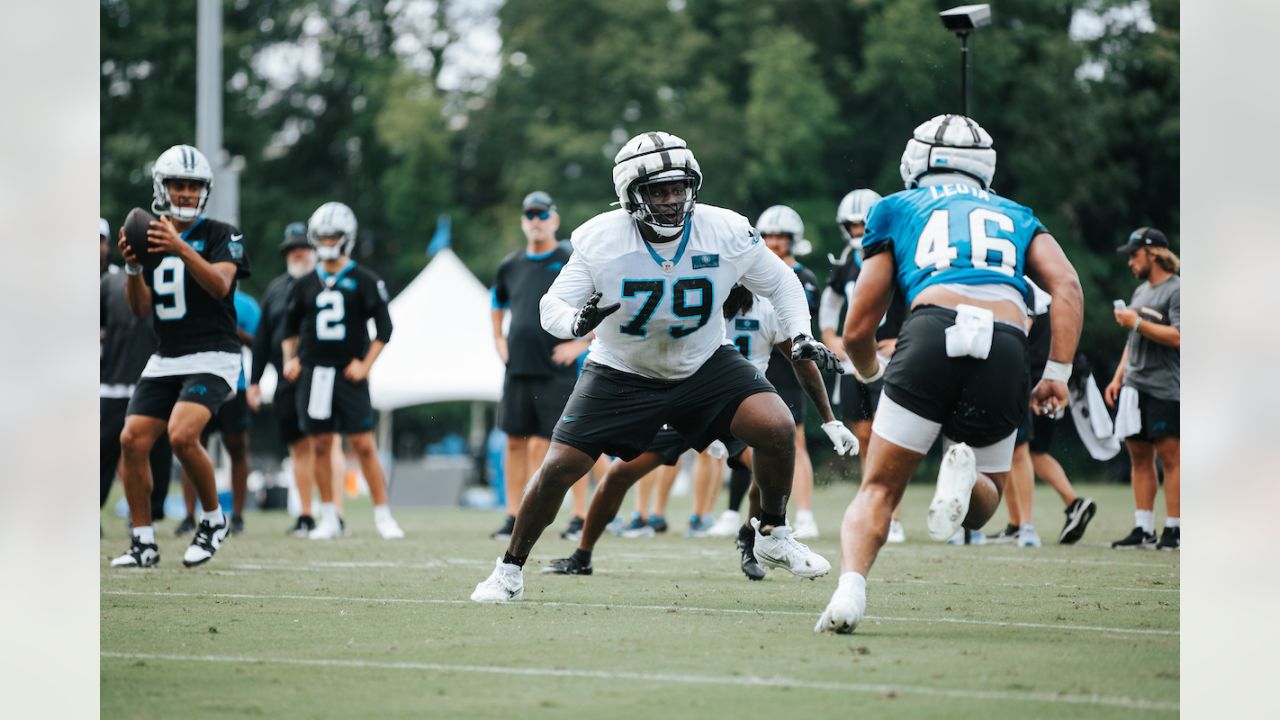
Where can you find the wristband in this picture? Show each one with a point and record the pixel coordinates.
(879, 373)
(1058, 371)
(131, 269)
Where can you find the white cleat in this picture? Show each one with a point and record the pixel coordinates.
(504, 584)
(389, 529)
(208, 539)
(327, 529)
(896, 533)
(846, 608)
(780, 549)
(951, 500)
(1028, 537)
(806, 528)
(727, 525)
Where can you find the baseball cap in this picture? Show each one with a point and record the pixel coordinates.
(538, 200)
(1143, 237)
(295, 236)
(104, 228)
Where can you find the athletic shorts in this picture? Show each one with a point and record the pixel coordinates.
(531, 406)
(347, 412)
(1036, 431)
(856, 402)
(286, 409)
(782, 375)
(979, 402)
(1159, 418)
(671, 445)
(156, 396)
(232, 417)
(618, 413)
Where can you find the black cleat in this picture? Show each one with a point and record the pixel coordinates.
(237, 524)
(658, 523)
(139, 555)
(574, 531)
(1078, 513)
(1137, 539)
(750, 567)
(303, 526)
(505, 531)
(1170, 539)
(186, 527)
(567, 566)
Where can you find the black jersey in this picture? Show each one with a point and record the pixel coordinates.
(330, 314)
(1039, 342)
(521, 282)
(780, 371)
(842, 280)
(127, 340)
(271, 328)
(187, 318)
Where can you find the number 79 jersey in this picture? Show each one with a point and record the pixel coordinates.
(329, 314)
(952, 233)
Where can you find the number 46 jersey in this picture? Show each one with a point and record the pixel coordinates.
(952, 234)
(329, 314)
(672, 294)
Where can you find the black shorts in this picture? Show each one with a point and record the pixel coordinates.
(286, 409)
(857, 401)
(979, 402)
(782, 375)
(351, 411)
(1159, 418)
(156, 396)
(232, 417)
(1036, 431)
(619, 413)
(531, 406)
(671, 445)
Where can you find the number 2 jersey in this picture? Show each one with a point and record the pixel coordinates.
(329, 314)
(672, 294)
(953, 234)
(188, 319)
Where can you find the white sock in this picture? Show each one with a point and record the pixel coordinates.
(214, 516)
(855, 581)
(1145, 519)
(804, 515)
(1027, 526)
(381, 513)
(1172, 522)
(146, 534)
(328, 513)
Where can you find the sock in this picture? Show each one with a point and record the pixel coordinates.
(146, 534)
(1146, 519)
(767, 520)
(328, 513)
(381, 513)
(802, 515)
(214, 516)
(856, 580)
(739, 484)
(509, 559)
(582, 557)
(1172, 522)
(1027, 526)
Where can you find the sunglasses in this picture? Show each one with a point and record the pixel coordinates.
(538, 214)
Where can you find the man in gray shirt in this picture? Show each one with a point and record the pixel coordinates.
(1146, 386)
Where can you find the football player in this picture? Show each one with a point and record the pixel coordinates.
(189, 294)
(650, 278)
(958, 252)
(327, 352)
(752, 326)
(783, 232)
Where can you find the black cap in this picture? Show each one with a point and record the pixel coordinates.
(538, 200)
(1143, 237)
(295, 236)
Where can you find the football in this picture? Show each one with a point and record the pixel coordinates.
(135, 227)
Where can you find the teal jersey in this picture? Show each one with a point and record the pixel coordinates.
(952, 233)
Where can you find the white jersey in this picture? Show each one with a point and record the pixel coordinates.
(756, 332)
(672, 294)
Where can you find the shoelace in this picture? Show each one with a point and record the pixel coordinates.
(204, 536)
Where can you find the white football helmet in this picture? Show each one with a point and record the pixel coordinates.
(854, 208)
(781, 219)
(949, 143)
(655, 157)
(332, 218)
(179, 162)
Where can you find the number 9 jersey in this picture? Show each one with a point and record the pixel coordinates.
(330, 313)
(953, 234)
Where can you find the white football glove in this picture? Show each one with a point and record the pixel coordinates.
(844, 441)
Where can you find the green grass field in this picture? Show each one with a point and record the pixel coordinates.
(667, 627)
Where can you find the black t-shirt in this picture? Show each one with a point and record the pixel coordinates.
(128, 341)
(187, 318)
(271, 328)
(330, 315)
(780, 371)
(842, 279)
(1039, 342)
(521, 282)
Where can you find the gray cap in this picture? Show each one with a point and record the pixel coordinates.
(538, 200)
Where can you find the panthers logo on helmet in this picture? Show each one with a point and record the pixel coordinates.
(854, 208)
(784, 220)
(180, 162)
(949, 143)
(330, 219)
(656, 157)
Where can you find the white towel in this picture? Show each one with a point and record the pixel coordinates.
(971, 334)
(1128, 418)
(320, 405)
(1093, 422)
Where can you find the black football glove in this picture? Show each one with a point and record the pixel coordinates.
(589, 315)
(804, 347)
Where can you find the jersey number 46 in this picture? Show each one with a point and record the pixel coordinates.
(934, 245)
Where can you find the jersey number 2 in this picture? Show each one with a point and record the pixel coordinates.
(934, 245)
(332, 311)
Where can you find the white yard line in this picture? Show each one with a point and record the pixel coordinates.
(670, 679)
(656, 608)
